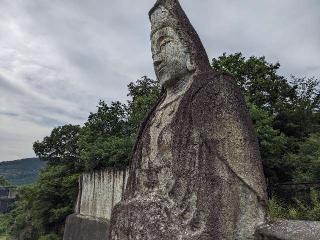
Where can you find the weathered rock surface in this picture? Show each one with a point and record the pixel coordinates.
(289, 230)
(80, 227)
(7, 198)
(99, 191)
(196, 171)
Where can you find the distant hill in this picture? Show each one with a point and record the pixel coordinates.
(23, 171)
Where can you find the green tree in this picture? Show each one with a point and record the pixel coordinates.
(20, 217)
(267, 94)
(4, 182)
(258, 79)
(272, 144)
(108, 136)
(50, 236)
(302, 117)
(60, 148)
(306, 162)
(284, 112)
(144, 94)
(42, 208)
(105, 139)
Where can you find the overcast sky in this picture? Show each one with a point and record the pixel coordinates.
(58, 58)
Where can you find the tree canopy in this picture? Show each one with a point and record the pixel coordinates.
(285, 111)
(4, 182)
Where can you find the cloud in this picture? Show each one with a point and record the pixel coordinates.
(58, 58)
(284, 31)
(17, 137)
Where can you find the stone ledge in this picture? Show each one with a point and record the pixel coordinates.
(289, 230)
(79, 227)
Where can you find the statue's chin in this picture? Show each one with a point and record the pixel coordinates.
(171, 80)
(168, 82)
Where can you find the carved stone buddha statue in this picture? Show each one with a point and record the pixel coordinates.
(196, 170)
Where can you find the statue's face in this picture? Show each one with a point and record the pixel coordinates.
(170, 56)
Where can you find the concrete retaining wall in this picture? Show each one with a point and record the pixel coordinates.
(7, 198)
(6, 204)
(98, 193)
(85, 228)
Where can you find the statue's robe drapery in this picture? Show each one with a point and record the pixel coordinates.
(205, 180)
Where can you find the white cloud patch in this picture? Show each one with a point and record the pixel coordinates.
(17, 136)
(58, 58)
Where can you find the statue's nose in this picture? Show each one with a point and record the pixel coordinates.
(157, 61)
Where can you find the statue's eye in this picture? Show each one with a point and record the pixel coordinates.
(164, 42)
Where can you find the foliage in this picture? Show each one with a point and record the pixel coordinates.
(301, 210)
(305, 164)
(60, 148)
(284, 112)
(108, 135)
(41, 208)
(302, 117)
(4, 224)
(4, 182)
(144, 93)
(266, 94)
(276, 208)
(258, 79)
(20, 216)
(21, 172)
(4, 237)
(51, 236)
(272, 143)
(105, 140)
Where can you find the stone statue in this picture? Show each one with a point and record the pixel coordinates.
(196, 170)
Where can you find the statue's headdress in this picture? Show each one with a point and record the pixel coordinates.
(179, 21)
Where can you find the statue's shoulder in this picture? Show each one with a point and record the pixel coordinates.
(212, 83)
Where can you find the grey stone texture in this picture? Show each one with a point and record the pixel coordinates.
(80, 227)
(99, 191)
(196, 170)
(7, 198)
(289, 230)
(5, 204)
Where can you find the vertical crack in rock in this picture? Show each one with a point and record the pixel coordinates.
(113, 180)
